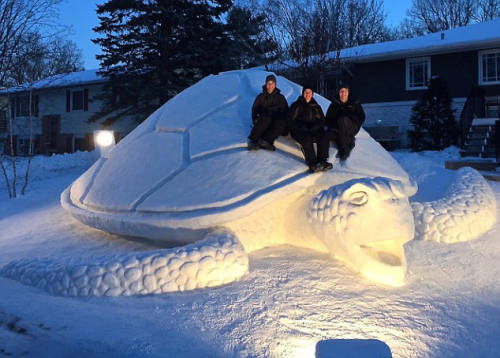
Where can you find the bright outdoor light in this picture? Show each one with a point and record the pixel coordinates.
(104, 138)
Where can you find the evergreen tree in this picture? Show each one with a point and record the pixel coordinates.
(153, 49)
(433, 119)
(250, 44)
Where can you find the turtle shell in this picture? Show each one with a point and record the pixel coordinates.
(186, 166)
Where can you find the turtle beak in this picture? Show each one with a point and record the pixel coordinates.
(385, 262)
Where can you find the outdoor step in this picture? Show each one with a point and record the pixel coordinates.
(490, 153)
(478, 164)
(480, 128)
(476, 136)
(475, 141)
(465, 153)
(473, 148)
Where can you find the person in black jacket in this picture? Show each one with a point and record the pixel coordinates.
(344, 118)
(268, 116)
(307, 126)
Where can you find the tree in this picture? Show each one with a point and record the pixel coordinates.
(488, 10)
(433, 119)
(17, 17)
(153, 49)
(409, 28)
(428, 16)
(309, 31)
(365, 23)
(36, 58)
(438, 15)
(250, 45)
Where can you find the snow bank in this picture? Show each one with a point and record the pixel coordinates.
(467, 210)
(214, 261)
(43, 167)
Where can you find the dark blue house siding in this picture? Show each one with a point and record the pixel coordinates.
(384, 81)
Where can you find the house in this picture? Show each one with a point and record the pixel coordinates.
(61, 106)
(389, 77)
(3, 117)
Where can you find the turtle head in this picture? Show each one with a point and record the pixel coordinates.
(365, 223)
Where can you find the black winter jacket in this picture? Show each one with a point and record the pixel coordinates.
(306, 116)
(271, 105)
(351, 109)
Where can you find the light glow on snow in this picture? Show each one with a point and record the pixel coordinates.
(104, 138)
(365, 222)
(358, 212)
(290, 295)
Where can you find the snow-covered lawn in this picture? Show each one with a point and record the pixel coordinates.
(291, 299)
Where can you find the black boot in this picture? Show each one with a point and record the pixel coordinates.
(342, 155)
(252, 145)
(314, 168)
(266, 145)
(325, 165)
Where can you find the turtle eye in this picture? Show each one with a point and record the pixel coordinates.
(358, 198)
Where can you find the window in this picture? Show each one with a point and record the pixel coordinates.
(418, 73)
(489, 67)
(77, 100)
(20, 106)
(3, 121)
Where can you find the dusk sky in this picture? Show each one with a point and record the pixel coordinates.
(82, 17)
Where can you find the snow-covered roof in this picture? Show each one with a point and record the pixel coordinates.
(481, 35)
(61, 80)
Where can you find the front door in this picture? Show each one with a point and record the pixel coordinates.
(51, 129)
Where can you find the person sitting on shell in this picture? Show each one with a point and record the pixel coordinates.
(268, 116)
(344, 118)
(307, 126)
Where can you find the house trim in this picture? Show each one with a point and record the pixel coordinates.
(480, 67)
(408, 61)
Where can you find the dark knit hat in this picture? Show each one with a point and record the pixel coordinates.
(307, 86)
(346, 86)
(271, 78)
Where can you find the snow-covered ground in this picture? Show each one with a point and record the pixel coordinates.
(292, 301)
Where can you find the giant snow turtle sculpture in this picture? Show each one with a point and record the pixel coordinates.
(185, 178)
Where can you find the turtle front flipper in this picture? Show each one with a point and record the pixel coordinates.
(217, 259)
(365, 223)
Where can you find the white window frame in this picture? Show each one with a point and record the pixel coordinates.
(407, 66)
(480, 67)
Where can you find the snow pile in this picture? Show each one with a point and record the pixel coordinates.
(292, 303)
(467, 210)
(43, 167)
(217, 260)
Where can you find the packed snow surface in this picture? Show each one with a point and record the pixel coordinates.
(214, 261)
(293, 302)
(467, 210)
(186, 167)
